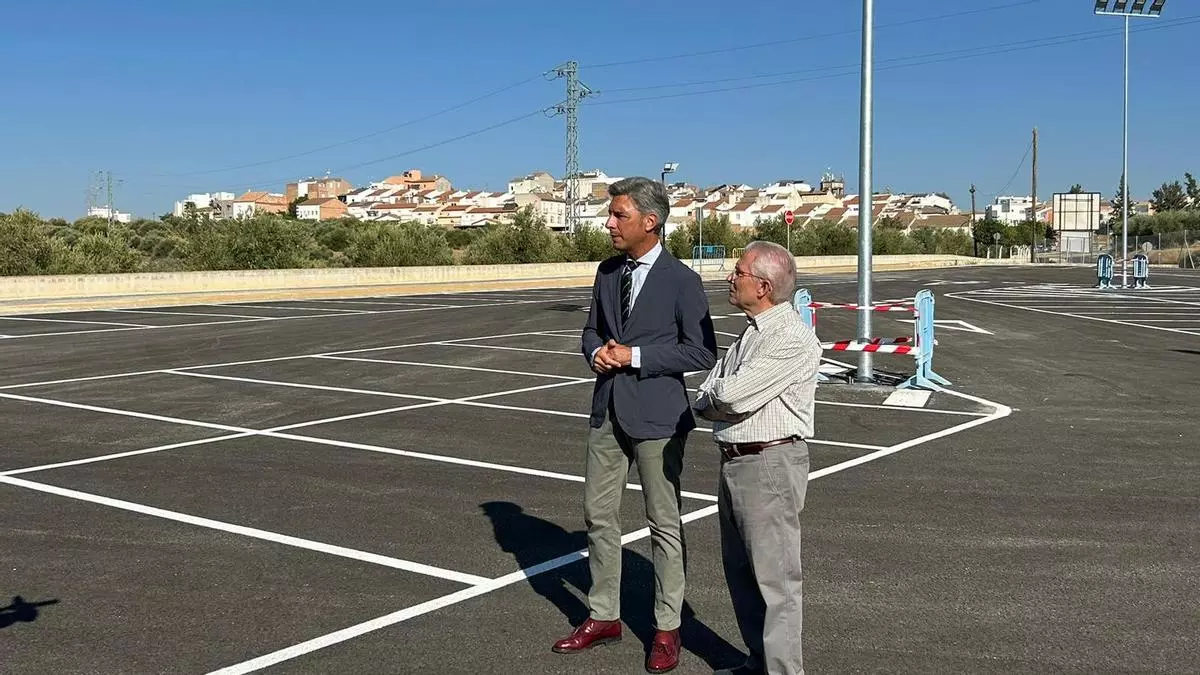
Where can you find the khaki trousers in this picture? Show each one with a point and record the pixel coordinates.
(759, 501)
(660, 462)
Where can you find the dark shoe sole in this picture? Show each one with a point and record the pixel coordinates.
(597, 643)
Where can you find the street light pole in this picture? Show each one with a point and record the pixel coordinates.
(1128, 9)
(866, 201)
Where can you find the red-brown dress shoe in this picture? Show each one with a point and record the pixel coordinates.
(590, 634)
(664, 652)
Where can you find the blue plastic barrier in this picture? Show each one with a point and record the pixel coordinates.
(923, 337)
(708, 252)
(801, 301)
(1104, 271)
(1141, 270)
(924, 378)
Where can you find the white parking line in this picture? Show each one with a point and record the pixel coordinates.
(174, 313)
(136, 326)
(423, 364)
(92, 323)
(227, 364)
(400, 616)
(511, 349)
(287, 540)
(298, 309)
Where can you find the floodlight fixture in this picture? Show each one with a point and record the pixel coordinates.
(1136, 10)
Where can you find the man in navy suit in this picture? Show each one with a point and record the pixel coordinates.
(647, 326)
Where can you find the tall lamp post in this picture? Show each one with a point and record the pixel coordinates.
(1128, 9)
(866, 200)
(669, 167)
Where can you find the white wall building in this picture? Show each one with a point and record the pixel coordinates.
(308, 211)
(1076, 219)
(204, 202)
(1010, 209)
(104, 212)
(538, 181)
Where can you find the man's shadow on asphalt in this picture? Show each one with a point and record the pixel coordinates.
(21, 611)
(532, 541)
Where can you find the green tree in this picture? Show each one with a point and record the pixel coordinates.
(891, 241)
(1193, 191)
(1119, 207)
(825, 238)
(1076, 189)
(588, 244)
(98, 253)
(525, 240)
(717, 231)
(1169, 197)
(398, 245)
(773, 230)
(984, 231)
(25, 244)
(260, 242)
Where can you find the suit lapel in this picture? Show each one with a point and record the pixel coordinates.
(614, 304)
(647, 286)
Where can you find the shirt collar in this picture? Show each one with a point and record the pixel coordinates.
(650, 257)
(769, 316)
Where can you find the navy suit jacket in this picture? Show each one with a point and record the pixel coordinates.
(671, 325)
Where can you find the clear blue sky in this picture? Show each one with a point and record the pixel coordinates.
(153, 90)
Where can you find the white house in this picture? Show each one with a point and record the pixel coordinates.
(1010, 209)
(551, 209)
(538, 181)
(105, 212)
(214, 203)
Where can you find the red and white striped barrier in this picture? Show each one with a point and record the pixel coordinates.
(895, 307)
(872, 346)
(919, 345)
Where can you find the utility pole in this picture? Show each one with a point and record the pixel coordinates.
(1033, 207)
(576, 92)
(973, 219)
(108, 175)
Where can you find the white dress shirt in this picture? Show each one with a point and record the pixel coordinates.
(639, 279)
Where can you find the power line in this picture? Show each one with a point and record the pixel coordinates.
(775, 43)
(364, 137)
(929, 59)
(1017, 171)
(428, 146)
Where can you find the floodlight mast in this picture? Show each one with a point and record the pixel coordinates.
(1137, 10)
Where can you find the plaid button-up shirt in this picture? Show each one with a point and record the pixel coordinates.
(764, 389)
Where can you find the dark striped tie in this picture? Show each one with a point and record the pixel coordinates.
(627, 290)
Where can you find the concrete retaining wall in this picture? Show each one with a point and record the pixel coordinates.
(72, 292)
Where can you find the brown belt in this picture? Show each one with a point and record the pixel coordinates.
(735, 450)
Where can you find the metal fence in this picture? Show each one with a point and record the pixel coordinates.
(1180, 249)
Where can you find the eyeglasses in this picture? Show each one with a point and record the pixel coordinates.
(736, 273)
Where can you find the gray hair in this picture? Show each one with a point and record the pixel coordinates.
(775, 264)
(648, 195)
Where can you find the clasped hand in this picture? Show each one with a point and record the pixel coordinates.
(611, 357)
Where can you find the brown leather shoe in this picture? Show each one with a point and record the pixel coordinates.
(664, 652)
(590, 634)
